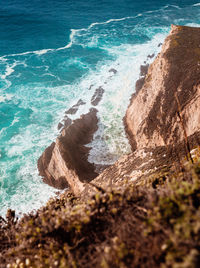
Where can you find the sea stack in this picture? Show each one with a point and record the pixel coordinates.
(64, 163)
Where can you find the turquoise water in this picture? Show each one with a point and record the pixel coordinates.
(53, 53)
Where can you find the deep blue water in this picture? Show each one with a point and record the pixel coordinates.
(53, 53)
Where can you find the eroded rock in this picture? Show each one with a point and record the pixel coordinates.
(96, 98)
(152, 117)
(65, 161)
(75, 107)
(168, 101)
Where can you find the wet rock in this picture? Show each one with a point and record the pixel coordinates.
(90, 87)
(150, 56)
(67, 121)
(139, 84)
(96, 98)
(112, 70)
(75, 107)
(60, 126)
(144, 69)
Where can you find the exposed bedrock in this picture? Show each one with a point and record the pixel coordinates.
(163, 111)
(169, 100)
(65, 162)
(141, 166)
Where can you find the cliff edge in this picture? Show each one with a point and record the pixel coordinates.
(162, 123)
(170, 97)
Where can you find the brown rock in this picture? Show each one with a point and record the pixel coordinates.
(139, 84)
(171, 92)
(144, 69)
(65, 161)
(152, 117)
(141, 166)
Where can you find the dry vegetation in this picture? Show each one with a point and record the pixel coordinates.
(157, 225)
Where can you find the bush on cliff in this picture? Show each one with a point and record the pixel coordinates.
(156, 226)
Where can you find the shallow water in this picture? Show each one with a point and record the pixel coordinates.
(53, 53)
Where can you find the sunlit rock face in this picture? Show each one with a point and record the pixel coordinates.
(170, 94)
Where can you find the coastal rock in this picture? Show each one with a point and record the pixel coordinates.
(160, 116)
(75, 107)
(141, 166)
(112, 70)
(140, 82)
(167, 106)
(98, 94)
(65, 162)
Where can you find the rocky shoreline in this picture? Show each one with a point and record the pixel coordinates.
(143, 211)
(164, 108)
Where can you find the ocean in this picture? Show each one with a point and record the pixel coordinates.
(55, 53)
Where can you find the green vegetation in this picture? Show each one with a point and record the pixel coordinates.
(154, 225)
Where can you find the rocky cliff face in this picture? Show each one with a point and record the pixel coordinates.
(65, 163)
(171, 93)
(162, 114)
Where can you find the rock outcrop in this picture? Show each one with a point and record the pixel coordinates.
(65, 161)
(169, 102)
(163, 115)
(162, 123)
(142, 166)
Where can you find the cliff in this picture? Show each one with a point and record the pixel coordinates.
(171, 93)
(162, 123)
(146, 210)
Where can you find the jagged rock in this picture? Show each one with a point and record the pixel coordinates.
(75, 107)
(65, 162)
(153, 116)
(67, 121)
(60, 125)
(112, 70)
(139, 84)
(144, 69)
(150, 56)
(159, 115)
(97, 96)
(90, 87)
(140, 166)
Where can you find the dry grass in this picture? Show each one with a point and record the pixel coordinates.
(151, 226)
